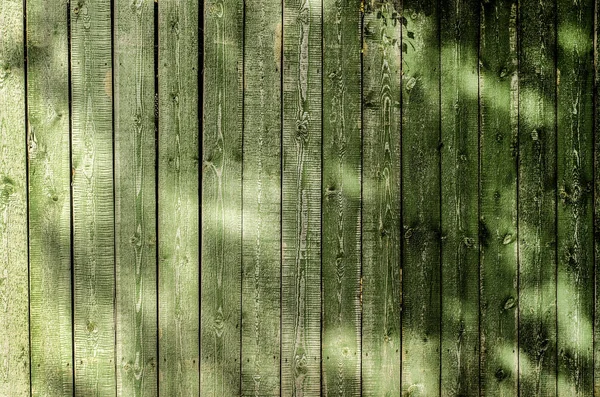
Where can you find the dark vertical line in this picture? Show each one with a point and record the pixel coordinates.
(479, 123)
(401, 177)
(242, 183)
(71, 214)
(362, 38)
(281, 137)
(27, 205)
(112, 65)
(200, 78)
(156, 195)
(557, 366)
(518, 190)
(440, 146)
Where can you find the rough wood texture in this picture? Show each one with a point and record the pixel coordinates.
(381, 231)
(421, 146)
(537, 200)
(178, 199)
(301, 199)
(262, 195)
(460, 206)
(221, 197)
(596, 203)
(49, 199)
(575, 292)
(14, 320)
(341, 236)
(498, 85)
(135, 199)
(93, 214)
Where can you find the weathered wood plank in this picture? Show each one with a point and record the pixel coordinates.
(135, 198)
(49, 199)
(459, 35)
(596, 325)
(421, 146)
(221, 197)
(381, 231)
(498, 84)
(537, 200)
(178, 198)
(261, 199)
(575, 291)
(93, 214)
(341, 217)
(301, 198)
(14, 316)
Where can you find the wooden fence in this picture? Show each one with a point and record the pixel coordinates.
(299, 198)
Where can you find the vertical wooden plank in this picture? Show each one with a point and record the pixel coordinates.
(498, 84)
(49, 198)
(135, 198)
(575, 293)
(537, 199)
(301, 198)
(14, 296)
(460, 202)
(421, 199)
(93, 210)
(381, 199)
(261, 199)
(178, 192)
(221, 197)
(596, 197)
(341, 198)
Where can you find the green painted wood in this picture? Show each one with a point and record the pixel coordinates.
(575, 129)
(301, 198)
(537, 200)
(341, 207)
(49, 199)
(178, 199)
(421, 135)
(135, 199)
(222, 197)
(381, 288)
(261, 269)
(459, 35)
(596, 197)
(498, 85)
(92, 189)
(14, 294)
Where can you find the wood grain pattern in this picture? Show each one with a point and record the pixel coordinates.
(301, 198)
(537, 200)
(178, 199)
(93, 210)
(459, 35)
(341, 211)
(14, 321)
(261, 281)
(221, 197)
(381, 279)
(135, 198)
(421, 146)
(498, 86)
(575, 293)
(49, 199)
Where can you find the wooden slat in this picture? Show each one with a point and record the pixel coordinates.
(459, 36)
(341, 222)
(575, 290)
(14, 320)
(49, 199)
(262, 195)
(178, 198)
(221, 197)
(498, 86)
(93, 213)
(537, 200)
(421, 199)
(135, 199)
(596, 182)
(301, 198)
(381, 231)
